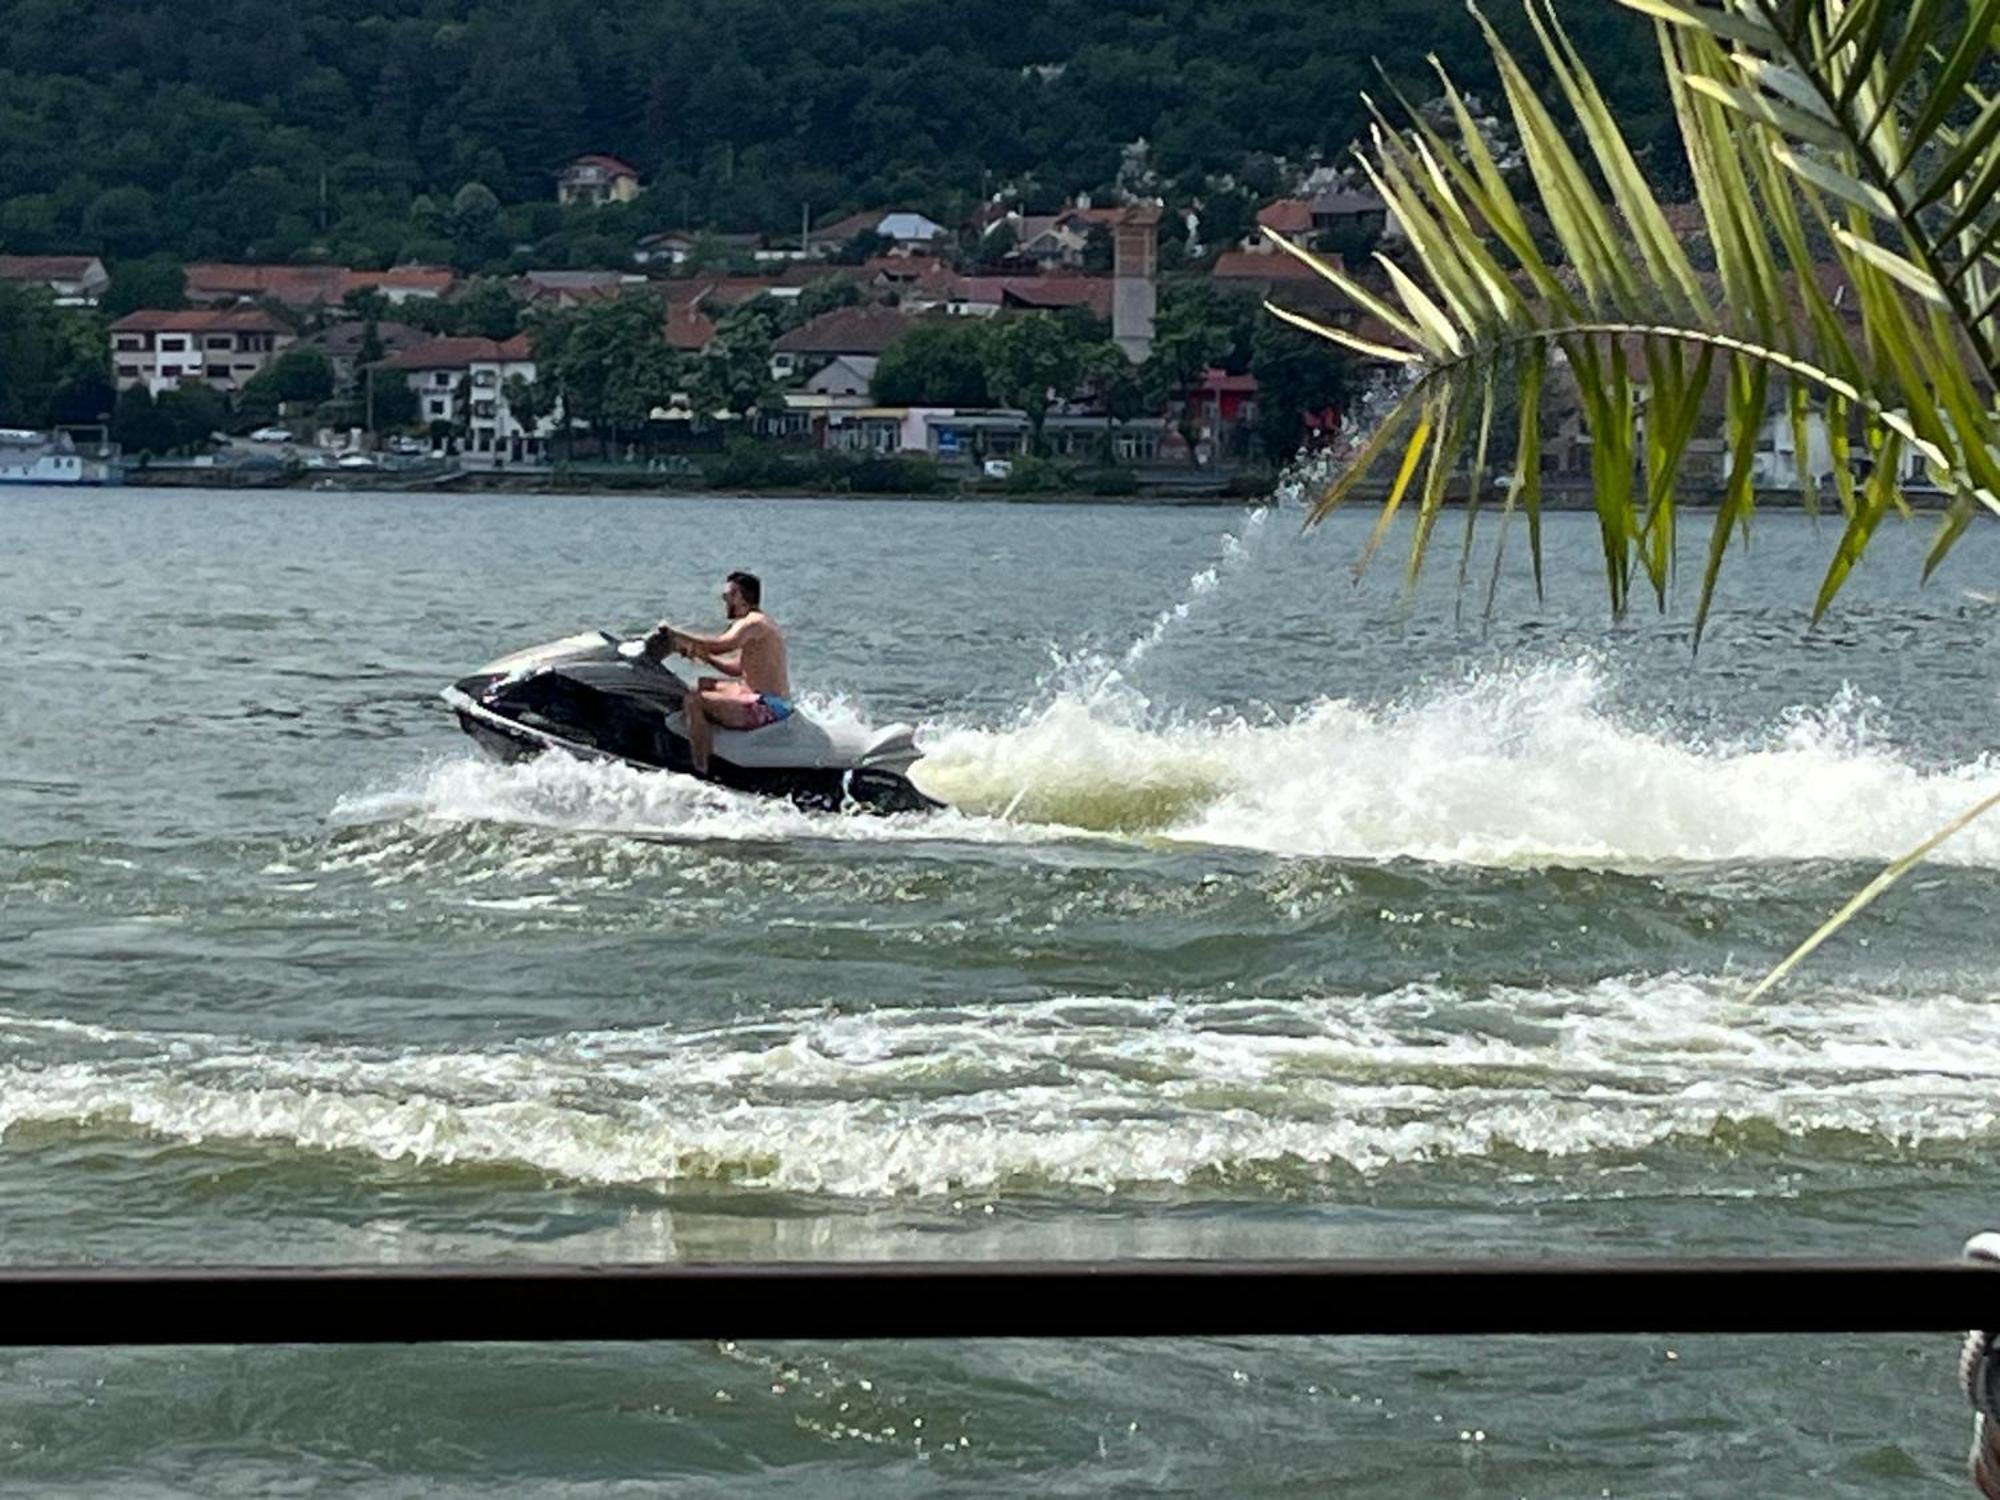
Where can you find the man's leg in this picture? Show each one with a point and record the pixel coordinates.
(699, 733)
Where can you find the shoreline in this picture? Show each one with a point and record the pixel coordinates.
(1201, 491)
(1197, 493)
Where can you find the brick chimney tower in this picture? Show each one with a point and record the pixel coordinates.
(1135, 266)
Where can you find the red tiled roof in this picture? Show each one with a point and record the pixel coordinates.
(847, 330)
(46, 267)
(1093, 292)
(199, 320)
(295, 286)
(460, 353)
(688, 327)
(608, 163)
(853, 224)
(1286, 216)
(1275, 265)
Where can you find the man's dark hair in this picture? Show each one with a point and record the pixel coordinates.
(750, 586)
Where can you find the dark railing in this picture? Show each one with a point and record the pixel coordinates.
(372, 1304)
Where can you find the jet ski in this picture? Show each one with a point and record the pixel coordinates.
(596, 697)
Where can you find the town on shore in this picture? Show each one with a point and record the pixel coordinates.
(878, 352)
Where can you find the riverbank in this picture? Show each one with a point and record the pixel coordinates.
(1195, 489)
(1198, 488)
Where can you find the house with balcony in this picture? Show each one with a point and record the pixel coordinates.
(597, 178)
(221, 347)
(73, 280)
(462, 383)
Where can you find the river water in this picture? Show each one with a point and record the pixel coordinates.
(1277, 915)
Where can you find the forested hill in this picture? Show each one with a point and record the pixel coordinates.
(238, 128)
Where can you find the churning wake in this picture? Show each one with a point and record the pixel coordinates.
(1085, 1093)
(1526, 766)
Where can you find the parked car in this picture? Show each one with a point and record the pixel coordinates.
(998, 468)
(408, 445)
(271, 435)
(355, 461)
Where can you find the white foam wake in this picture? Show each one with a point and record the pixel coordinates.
(1515, 767)
(1094, 1094)
(1528, 766)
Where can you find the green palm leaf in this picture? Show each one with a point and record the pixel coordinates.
(1845, 165)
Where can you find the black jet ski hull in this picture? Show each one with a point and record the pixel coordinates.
(871, 789)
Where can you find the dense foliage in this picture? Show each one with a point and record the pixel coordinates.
(369, 131)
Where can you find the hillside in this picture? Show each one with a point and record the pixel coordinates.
(352, 129)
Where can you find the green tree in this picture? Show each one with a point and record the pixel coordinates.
(864, 246)
(122, 221)
(997, 246)
(51, 359)
(733, 373)
(138, 425)
(610, 362)
(1296, 374)
(486, 308)
(528, 401)
(156, 281)
(1031, 361)
(302, 373)
(257, 402)
(190, 413)
(1120, 388)
(1191, 333)
(939, 362)
(395, 401)
(477, 234)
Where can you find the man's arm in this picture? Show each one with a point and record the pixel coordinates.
(723, 652)
(704, 646)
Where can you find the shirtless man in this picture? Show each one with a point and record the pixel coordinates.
(755, 688)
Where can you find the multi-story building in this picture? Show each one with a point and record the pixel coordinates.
(597, 179)
(224, 347)
(462, 383)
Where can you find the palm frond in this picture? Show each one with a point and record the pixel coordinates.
(1809, 125)
(1846, 166)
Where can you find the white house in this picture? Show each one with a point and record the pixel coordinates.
(463, 382)
(223, 347)
(1775, 463)
(597, 178)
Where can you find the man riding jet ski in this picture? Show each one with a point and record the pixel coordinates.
(598, 698)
